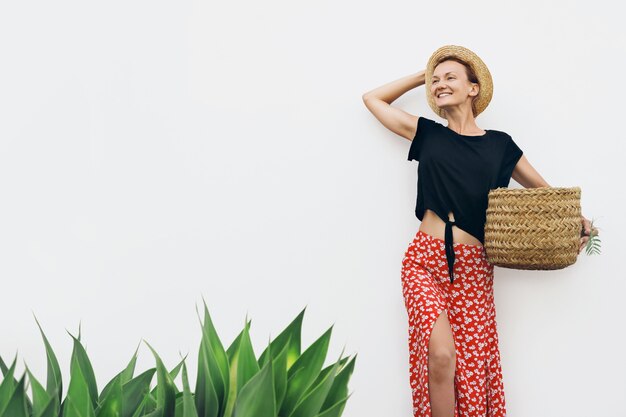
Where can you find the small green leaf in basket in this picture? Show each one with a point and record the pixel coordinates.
(593, 244)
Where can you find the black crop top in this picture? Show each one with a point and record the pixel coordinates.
(456, 172)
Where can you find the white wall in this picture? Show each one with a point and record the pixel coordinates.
(155, 152)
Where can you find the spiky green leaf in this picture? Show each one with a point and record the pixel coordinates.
(82, 360)
(7, 386)
(78, 402)
(189, 407)
(54, 382)
(243, 367)
(257, 397)
(311, 403)
(304, 372)
(41, 398)
(135, 392)
(339, 390)
(16, 407)
(112, 405)
(217, 361)
(336, 410)
(291, 337)
(166, 391)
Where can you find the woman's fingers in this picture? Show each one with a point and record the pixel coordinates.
(586, 229)
(583, 242)
(586, 232)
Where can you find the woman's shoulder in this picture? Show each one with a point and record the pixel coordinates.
(426, 121)
(499, 132)
(432, 126)
(425, 126)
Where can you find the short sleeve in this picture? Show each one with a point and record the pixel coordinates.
(421, 133)
(512, 154)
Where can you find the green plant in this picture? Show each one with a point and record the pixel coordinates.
(282, 382)
(593, 244)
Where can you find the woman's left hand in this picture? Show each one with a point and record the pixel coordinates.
(585, 232)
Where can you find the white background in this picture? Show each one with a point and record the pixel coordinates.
(155, 152)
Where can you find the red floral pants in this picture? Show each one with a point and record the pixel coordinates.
(470, 308)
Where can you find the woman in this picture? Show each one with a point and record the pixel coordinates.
(447, 282)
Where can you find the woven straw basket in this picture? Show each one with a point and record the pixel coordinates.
(533, 228)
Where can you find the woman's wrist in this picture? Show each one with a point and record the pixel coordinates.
(421, 78)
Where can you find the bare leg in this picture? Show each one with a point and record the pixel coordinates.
(441, 368)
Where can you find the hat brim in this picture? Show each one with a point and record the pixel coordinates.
(480, 69)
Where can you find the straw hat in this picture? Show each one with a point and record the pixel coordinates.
(479, 67)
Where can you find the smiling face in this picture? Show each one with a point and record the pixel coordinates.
(450, 85)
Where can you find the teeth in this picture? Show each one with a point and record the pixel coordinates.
(444, 94)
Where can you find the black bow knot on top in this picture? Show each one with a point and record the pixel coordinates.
(449, 248)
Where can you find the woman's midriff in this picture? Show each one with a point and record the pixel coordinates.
(434, 226)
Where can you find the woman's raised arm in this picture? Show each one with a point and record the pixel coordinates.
(378, 101)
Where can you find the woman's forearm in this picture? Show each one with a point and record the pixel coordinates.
(391, 91)
(527, 176)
